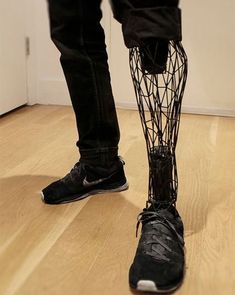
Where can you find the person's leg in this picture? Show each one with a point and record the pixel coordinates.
(77, 33)
(158, 63)
(159, 261)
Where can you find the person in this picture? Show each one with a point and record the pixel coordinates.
(77, 33)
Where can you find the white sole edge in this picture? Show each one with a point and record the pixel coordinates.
(150, 286)
(95, 192)
(42, 196)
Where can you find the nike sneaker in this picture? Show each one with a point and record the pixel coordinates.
(85, 180)
(158, 265)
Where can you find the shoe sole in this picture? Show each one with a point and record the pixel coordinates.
(150, 286)
(75, 198)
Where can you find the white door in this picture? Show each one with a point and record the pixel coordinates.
(13, 80)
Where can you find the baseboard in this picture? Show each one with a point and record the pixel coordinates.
(208, 111)
(185, 109)
(55, 92)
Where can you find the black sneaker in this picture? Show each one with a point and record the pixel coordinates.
(83, 181)
(158, 265)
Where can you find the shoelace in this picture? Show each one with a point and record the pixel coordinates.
(157, 219)
(74, 173)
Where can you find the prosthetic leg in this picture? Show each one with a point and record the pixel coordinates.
(159, 72)
(158, 63)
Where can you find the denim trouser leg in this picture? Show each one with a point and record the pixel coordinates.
(77, 33)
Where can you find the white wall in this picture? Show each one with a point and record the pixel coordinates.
(208, 37)
(13, 74)
(46, 77)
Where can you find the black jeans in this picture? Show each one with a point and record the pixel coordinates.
(77, 33)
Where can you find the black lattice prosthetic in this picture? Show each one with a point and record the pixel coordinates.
(159, 72)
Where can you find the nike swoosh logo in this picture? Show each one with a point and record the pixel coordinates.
(87, 183)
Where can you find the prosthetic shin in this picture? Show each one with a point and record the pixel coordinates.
(158, 63)
(159, 71)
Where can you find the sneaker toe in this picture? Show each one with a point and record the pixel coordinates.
(54, 193)
(165, 275)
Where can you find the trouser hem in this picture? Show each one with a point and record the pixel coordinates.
(101, 157)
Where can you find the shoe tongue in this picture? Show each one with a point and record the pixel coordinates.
(164, 210)
(168, 213)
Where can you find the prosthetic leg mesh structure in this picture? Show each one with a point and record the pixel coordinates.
(159, 72)
(158, 63)
(159, 83)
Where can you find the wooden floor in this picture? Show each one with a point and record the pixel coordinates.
(86, 247)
